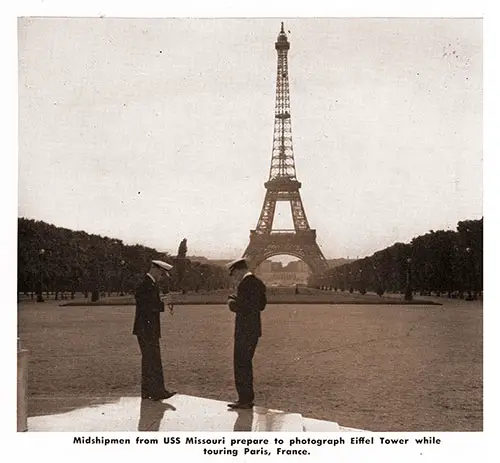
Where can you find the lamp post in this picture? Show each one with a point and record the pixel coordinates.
(39, 297)
(378, 282)
(408, 291)
(361, 282)
(122, 265)
(468, 251)
(457, 266)
(96, 290)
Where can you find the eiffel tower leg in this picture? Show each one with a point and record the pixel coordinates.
(267, 214)
(298, 213)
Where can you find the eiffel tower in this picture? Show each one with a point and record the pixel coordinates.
(283, 185)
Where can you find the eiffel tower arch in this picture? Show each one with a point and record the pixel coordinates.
(283, 185)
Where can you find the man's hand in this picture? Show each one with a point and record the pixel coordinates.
(167, 301)
(232, 304)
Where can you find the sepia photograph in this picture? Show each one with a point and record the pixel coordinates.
(250, 224)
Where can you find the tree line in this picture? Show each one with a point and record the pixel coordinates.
(441, 262)
(58, 260)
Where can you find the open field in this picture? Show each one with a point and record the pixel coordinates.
(309, 297)
(279, 295)
(377, 367)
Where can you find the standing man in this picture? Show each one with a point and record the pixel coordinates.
(147, 329)
(249, 301)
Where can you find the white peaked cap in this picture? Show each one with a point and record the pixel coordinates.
(163, 265)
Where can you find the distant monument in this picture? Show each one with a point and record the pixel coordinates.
(282, 185)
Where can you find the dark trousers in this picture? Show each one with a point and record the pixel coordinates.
(244, 350)
(152, 382)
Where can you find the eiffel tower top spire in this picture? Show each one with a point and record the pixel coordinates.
(282, 161)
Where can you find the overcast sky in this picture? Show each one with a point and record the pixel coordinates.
(152, 130)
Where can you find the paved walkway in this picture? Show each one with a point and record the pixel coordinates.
(179, 413)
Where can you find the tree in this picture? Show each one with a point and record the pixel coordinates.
(470, 245)
(180, 267)
(441, 261)
(182, 251)
(65, 260)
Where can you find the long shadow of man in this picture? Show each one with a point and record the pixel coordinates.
(244, 420)
(151, 415)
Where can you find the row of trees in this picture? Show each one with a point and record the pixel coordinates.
(58, 260)
(439, 261)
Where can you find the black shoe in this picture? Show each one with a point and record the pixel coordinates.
(241, 405)
(164, 395)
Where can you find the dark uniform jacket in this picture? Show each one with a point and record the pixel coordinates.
(148, 306)
(249, 302)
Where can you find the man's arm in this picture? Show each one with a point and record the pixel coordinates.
(147, 298)
(263, 297)
(248, 297)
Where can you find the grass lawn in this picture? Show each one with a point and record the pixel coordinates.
(376, 367)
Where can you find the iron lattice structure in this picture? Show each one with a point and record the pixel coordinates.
(283, 185)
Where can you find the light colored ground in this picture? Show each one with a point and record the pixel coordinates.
(382, 368)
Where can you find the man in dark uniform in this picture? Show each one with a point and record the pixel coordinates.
(147, 329)
(249, 301)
